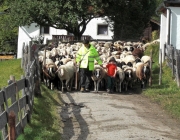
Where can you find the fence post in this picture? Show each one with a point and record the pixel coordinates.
(160, 69)
(177, 67)
(22, 60)
(150, 78)
(12, 125)
(12, 80)
(2, 109)
(172, 58)
(164, 52)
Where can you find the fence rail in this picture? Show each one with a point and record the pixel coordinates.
(172, 56)
(18, 96)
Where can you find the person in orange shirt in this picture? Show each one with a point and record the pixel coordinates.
(111, 68)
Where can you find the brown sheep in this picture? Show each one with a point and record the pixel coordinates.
(137, 52)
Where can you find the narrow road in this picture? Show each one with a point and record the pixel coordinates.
(102, 116)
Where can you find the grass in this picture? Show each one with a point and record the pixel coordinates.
(7, 68)
(45, 121)
(166, 94)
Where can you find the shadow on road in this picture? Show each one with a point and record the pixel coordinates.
(67, 112)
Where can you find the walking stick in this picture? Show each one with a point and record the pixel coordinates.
(76, 77)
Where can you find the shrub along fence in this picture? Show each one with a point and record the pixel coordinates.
(172, 55)
(16, 100)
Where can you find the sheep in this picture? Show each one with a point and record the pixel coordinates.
(156, 41)
(65, 60)
(142, 73)
(129, 58)
(58, 63)
(129, 76)
(118, 45)
(128, 48)
(145, 46)
(98, 74)
(66, 72)
(94, 43)
(137, 52)
(49, 70)
(107, 44)
(146, 59)
(120, 75)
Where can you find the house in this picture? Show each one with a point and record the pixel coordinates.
(153, 25)
(169, 11)
(97, 28)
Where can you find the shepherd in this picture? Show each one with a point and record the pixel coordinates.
(85, 60)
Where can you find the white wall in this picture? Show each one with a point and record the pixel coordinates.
(92, 29)
(163, 34)
(175, 27)
(26, 33)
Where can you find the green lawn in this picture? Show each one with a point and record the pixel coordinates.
(166, 94)
(45, 121)
(7, 68)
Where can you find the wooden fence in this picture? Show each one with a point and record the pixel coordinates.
(18, 96)
(172, 56)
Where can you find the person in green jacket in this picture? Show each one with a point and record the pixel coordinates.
(85, 58)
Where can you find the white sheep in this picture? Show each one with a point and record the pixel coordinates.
(129, 76)
(98, 74)
(120, 75)
(146, 60)
(66, 72)
(94, 43)
(129, 58)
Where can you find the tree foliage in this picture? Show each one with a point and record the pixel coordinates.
(8, 33)
(71, 15)
(129, 18)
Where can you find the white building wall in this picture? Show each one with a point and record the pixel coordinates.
(26, 33)
(92, 29)
(175, 27)
(163, 33)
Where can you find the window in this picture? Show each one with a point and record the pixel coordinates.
(102, 30)
(44, 30)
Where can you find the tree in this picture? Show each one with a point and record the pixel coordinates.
(127, 18)
(130, 17)
(71, 15)
(8, 33)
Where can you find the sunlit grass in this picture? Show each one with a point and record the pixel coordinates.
(166, 94)
(45, 120)
(7, 68)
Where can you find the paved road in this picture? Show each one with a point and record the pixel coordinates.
(102, 116)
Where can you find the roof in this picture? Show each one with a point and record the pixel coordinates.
(172, 3)
(155, 21)
(167, 3)
(160, 8)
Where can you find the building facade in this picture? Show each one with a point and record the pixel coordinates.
(170, 24)
(97, 28)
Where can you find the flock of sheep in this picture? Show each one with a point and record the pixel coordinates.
(58, 67)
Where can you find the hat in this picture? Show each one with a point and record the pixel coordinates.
(112, 59)
(86, 42)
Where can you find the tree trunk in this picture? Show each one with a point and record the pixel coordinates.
(77, 36)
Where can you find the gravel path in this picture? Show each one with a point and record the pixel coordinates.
(102, 116)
